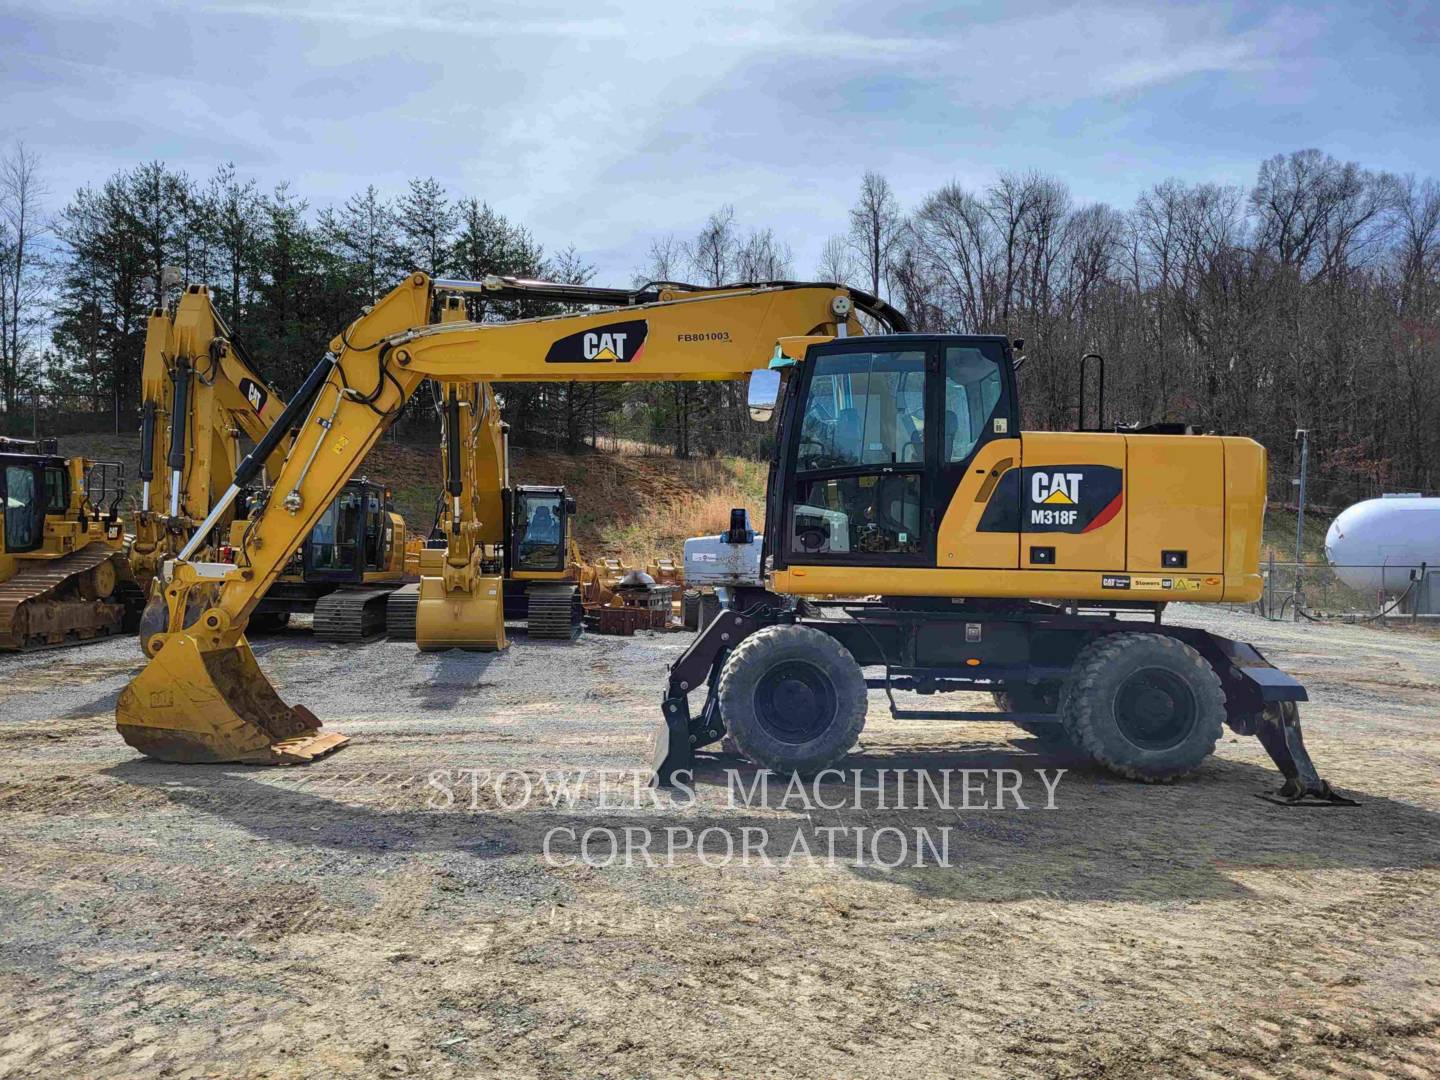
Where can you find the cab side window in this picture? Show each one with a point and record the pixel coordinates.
(972, 392)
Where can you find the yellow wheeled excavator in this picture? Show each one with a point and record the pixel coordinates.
(1008, 561)
(63, 577)
(202, 400)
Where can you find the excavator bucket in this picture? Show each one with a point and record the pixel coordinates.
(194, 706)
(461, 620)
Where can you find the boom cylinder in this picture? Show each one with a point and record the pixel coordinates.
(178, 417)
(452, 459)
(147, 451)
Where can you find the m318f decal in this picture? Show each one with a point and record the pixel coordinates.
(1055, 498)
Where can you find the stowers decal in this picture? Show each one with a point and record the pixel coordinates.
(1055, 498)
(613, 343)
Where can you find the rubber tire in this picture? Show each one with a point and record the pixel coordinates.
(756, 655)
(1087, 705)
(1030, 699)
(690, 605)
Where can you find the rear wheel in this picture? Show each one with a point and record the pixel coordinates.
(793, 699)
(1146, 706)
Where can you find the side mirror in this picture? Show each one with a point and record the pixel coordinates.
(764, 392)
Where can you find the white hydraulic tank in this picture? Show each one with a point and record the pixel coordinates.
(1376, 544)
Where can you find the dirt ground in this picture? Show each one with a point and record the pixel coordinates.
(343, 919)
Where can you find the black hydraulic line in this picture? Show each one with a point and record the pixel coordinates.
(512, 288)
(292, 415)
(147, 441)
(179, 414)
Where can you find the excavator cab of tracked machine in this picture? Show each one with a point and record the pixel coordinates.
(356, 540)
(538, 540)
(542, 563)
(345, 570)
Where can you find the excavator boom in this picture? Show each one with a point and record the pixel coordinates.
(202, 697)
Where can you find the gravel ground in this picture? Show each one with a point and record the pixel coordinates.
(383, 912)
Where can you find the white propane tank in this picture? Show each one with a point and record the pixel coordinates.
(1374, 545)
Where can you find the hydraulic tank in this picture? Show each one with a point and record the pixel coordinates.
(1376, 544)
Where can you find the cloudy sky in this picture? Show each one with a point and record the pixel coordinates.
(604, 124)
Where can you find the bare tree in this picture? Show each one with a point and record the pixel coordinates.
(665, 259)
(713, 252)
(21, 283)
(875, 227)
(764, 258)
(837, 262)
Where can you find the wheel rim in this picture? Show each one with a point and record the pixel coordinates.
(795, 701)
(1155, 709)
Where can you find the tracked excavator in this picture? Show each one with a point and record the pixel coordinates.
(498, 552)
(1034, 565)
(201, 401)
(63, 575)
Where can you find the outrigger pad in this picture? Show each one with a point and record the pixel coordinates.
(1279, 732)
(1292, 794)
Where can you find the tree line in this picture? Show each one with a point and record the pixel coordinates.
(1309, 299)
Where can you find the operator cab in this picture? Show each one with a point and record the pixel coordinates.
(352, 537)
(34, 484)
(538, 540)
(876, 433)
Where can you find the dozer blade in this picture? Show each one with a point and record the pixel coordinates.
(460, 620)
(194, 706)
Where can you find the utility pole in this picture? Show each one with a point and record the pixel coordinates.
(1302, 444)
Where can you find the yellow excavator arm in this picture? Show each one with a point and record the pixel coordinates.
(199, 396)
(202, 697)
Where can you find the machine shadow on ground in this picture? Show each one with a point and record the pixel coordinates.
(1106, 840)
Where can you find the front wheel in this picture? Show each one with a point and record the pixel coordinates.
(1145, 706)
(793, 699)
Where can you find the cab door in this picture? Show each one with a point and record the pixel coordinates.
(856, 488)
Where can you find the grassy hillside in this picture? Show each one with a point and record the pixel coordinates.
(631, 504)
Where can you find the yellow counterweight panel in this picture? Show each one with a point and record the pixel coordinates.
(1175, 485)
(1245, 473)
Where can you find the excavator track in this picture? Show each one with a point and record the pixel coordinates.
(33, 614)
(351, 614)
(554, 611)
(400, 613)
